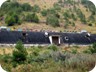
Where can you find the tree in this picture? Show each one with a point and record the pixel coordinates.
(52, 20)
(32, 18)
(81, 16)
(91, 49)
(66, 15)
(12, 19)
(11, 6)
(20, 54)
(36, 8)
(51, 11)
(57, 7)
(44, 12)
(26, 7)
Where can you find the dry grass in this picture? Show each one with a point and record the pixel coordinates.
(6, 50)
(80, 49)
(41, 3)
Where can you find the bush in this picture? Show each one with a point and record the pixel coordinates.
(57, 7)
(26, 7)
(36, 8)
(73, 24)
(53, 21)
(91, 18)
(12, 19)
(51, 11)
(53, 47)
(81, 16)
(6, 58)
(73, 17)
(91, 49)
(74, 51)
(20, 54)
(11, 6)
(44, 12)
(66, 15)
(81, 61)
(32, 18)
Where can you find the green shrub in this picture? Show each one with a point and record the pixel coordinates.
(20, 54)
(91, 18)
(12, 19)
(52, 20)
(53, 47)
(66, 15)
(81, 16)
(51, 11)
(91, 49)
(6, 58)
(81, 61)
(26, 7)
(36, 8)
(44, 12)
(73, 24)
(73, 17)
(32, 18)
(57, 7)
(60, 1)
(11, 6)
(74, 51)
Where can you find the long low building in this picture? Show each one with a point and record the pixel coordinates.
(11, 37)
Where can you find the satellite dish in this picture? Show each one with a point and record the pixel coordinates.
(2, 70)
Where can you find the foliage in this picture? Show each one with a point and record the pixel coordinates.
(11, 7)
(51, 11)
(53, 47)
(48, 59)
(91, 18)
(26, 7)
(32, 18)
(44, 12)
(91, 49)
(36, 8)
(20, 54)
(52, 20)
(81, 61)
(57, 7)
(74, 51)
(12, 19)
(73, 17)
(66, 15)
(6, 58)
(81, 16)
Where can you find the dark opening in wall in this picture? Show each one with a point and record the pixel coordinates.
(55, 40)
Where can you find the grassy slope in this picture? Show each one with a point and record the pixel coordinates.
(45, 4)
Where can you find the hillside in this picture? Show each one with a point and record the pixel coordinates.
(51, 15)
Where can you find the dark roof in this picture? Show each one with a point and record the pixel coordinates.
(79, 38)
(11, 37)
